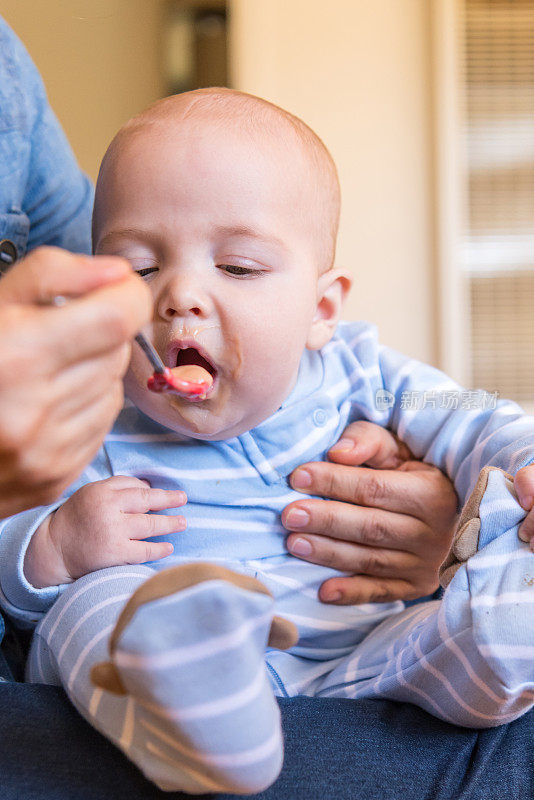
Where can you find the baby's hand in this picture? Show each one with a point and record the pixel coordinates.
(103, 524)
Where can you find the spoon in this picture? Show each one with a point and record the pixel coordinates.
(189, 380)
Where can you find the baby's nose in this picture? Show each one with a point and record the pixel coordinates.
(181, 311)
(183, 298)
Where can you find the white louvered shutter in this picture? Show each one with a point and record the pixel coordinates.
(498, 245)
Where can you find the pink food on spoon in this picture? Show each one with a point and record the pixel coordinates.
(189, 380)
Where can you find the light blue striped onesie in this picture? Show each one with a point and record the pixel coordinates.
(207, 720)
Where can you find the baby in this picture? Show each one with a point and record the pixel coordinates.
(228, 207)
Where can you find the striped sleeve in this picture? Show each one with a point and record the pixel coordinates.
(18, 598)
(457, 430)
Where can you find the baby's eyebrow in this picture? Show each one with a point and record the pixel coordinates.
(126, 233)
(251, 233)
(228, 231)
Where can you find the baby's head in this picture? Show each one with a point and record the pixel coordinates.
(228, 207)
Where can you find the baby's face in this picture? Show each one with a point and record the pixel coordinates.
(219, 229)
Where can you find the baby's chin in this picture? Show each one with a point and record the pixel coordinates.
(194, 420)
(230, 412)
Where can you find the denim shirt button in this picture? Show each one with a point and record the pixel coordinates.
(319, 417)
(8, 254)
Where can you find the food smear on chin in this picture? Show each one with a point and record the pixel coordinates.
(189, 380)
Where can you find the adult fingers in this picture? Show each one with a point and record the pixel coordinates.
(350, 557)
(48, 271)
(363, 589)
(82, 384)
(57, 455)
(33, 391)
(526, 529)
(392, 490)
(366, 443)
(96, 323)
(524, 486)
(39, 343)
(65, 420)
(343, 521)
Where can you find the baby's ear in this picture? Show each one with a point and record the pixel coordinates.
(332, 289)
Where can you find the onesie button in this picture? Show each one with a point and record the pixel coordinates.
(8, 254)
(320, 417)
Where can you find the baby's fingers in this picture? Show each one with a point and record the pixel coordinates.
(143, 499)
(140, 552)
(142, 526)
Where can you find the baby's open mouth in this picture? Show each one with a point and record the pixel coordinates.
(192, 378)
(190, 357)
(194, 375)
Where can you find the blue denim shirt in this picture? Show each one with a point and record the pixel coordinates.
(44, 196)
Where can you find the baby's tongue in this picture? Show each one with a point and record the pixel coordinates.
(192, 373)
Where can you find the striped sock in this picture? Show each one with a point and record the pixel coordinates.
(193, 662)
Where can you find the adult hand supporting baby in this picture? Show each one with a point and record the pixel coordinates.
(61, 368)
(524, 486)
(389, 522)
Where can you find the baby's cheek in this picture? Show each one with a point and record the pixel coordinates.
(135, 388)
(270, 376)
(138, 370)
(238, 355)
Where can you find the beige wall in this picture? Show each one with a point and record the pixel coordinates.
(100, 61)
(356, 70)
